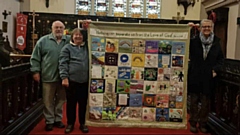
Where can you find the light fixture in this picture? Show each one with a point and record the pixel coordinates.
(186, 3)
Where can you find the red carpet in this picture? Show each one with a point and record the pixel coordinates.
(39, 129)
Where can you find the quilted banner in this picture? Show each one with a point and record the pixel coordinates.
(138, 75)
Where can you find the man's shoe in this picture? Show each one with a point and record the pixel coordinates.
(203, 129)
(49, 127)
(84, 128)
(59, 124)
(193, 129)
(69, 128)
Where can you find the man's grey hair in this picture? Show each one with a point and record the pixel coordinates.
(57, 22)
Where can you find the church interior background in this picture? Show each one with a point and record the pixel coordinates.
(20, 96)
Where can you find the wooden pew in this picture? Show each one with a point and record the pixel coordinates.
(224, 117)
(225, 112)
(20, 100)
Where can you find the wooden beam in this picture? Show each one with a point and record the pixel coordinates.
(213, 4)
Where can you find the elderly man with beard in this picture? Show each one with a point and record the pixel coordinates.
(44, 65)
(206, 59)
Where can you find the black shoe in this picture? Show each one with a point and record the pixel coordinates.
(193, 129)
(203, 129)
(49, 127)
(59, 124)
(69, 128)
(84, 128)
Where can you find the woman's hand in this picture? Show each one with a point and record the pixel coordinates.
(65, 82)
(196, 26)
(191, 24)
(214, 73)
(85, 24)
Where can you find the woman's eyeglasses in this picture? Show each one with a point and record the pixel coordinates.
(206, 27)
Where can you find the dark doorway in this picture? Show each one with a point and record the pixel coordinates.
(221, 26)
